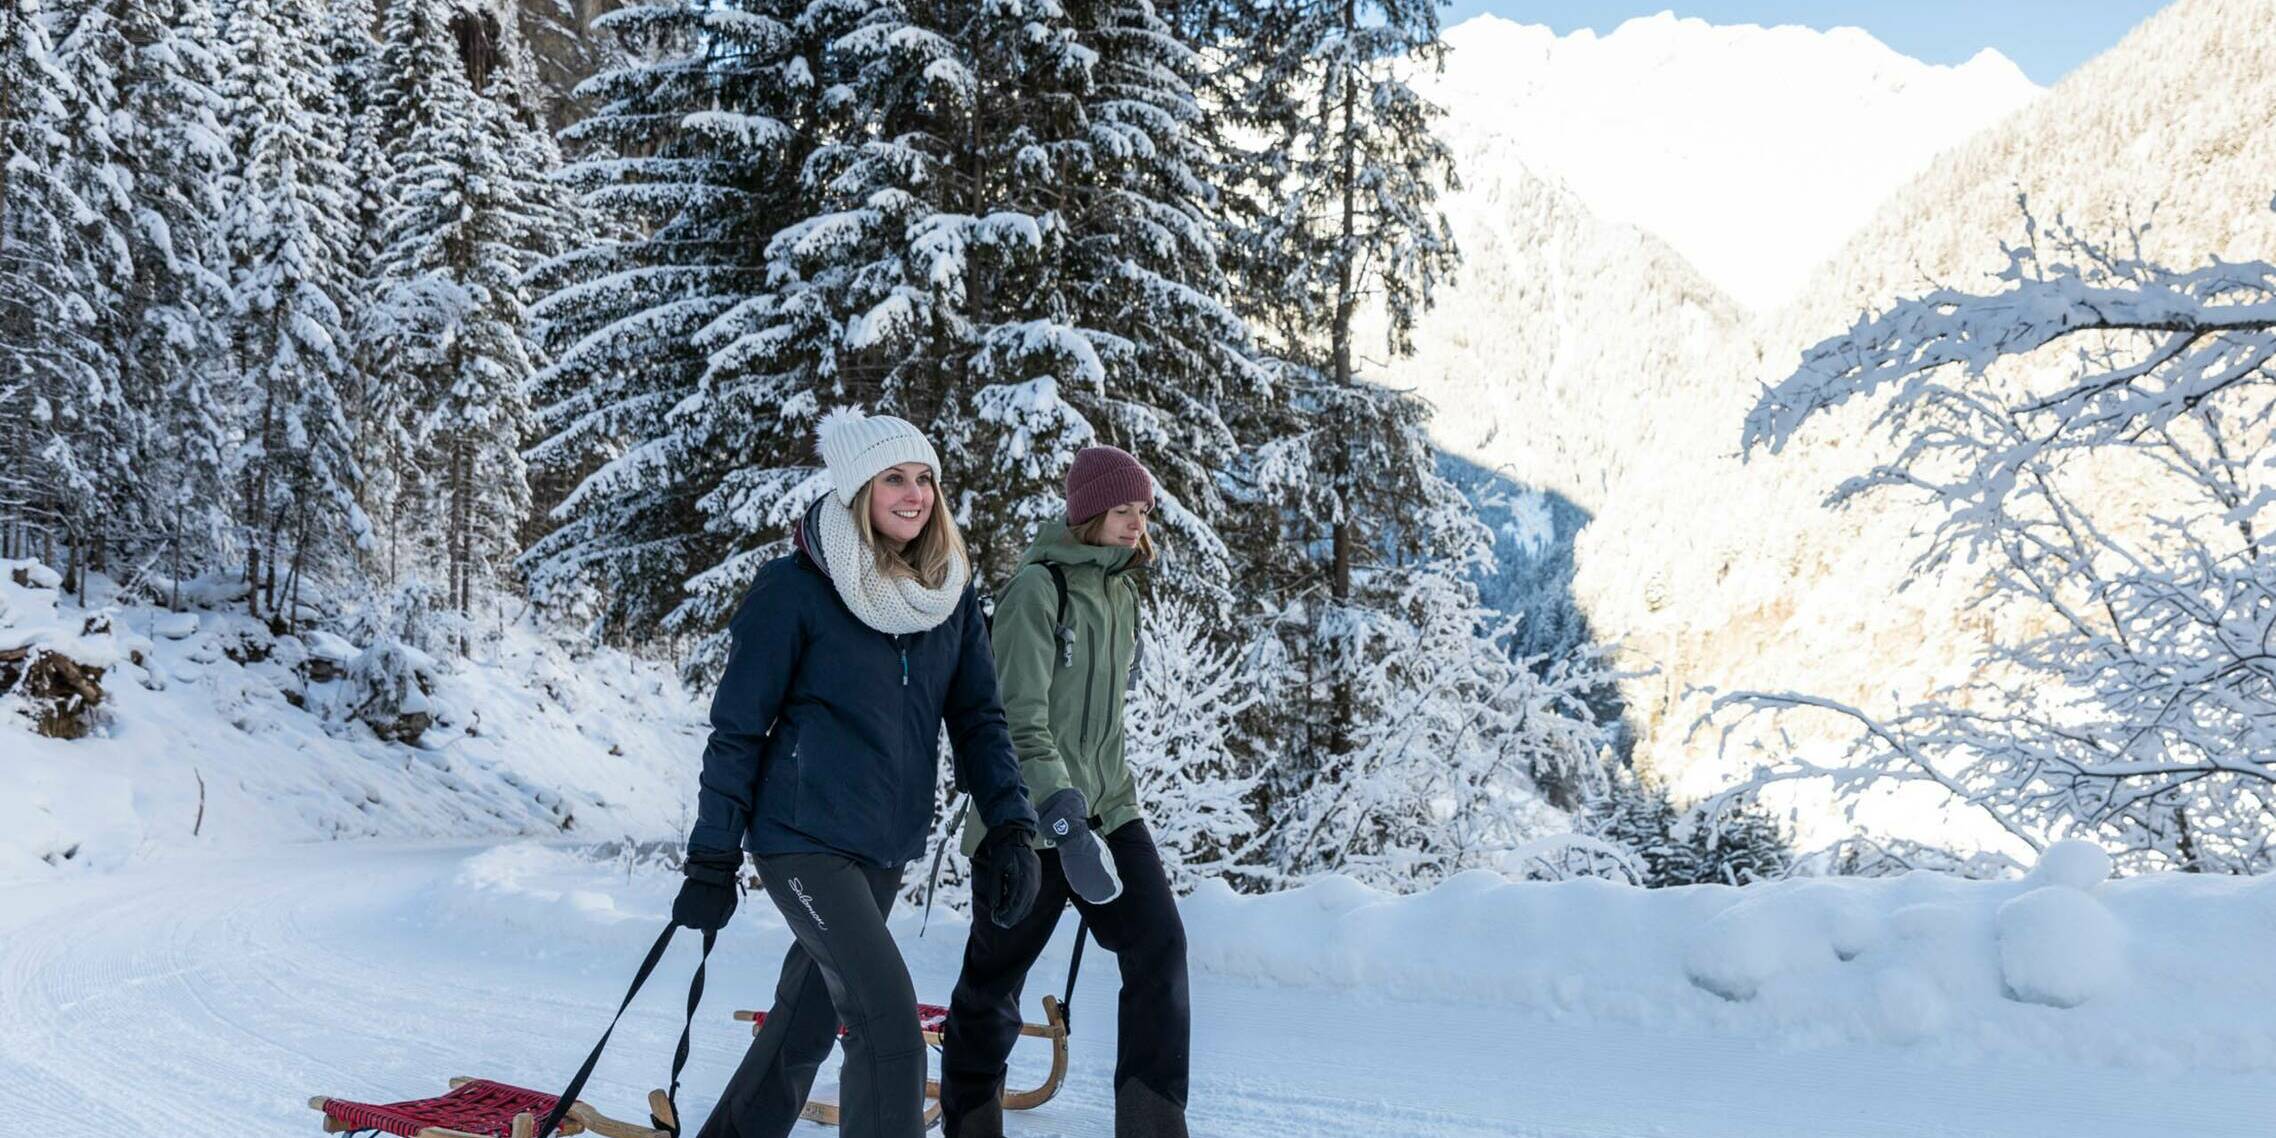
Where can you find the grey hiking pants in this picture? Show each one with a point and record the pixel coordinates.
(844, 969)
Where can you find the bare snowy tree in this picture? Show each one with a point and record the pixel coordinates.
(1182, 735)
(2097, 432)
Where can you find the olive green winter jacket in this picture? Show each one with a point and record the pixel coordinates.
(1065, 708)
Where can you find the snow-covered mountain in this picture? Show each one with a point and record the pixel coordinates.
(1753, 151)
(2179, 120)
(1627, 199)
(1614, 373)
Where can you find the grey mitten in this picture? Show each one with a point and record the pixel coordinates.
(1082, 857)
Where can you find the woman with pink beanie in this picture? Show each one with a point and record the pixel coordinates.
(1065, 638)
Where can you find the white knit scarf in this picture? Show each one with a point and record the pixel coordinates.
(892, 605)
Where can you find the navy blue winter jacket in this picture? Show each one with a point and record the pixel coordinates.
(825, 732)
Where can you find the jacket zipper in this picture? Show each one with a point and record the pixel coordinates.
(1090, 681)
(908, 731)
(1083, 733)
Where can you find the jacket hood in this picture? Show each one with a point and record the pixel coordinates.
(1056, 543)
(806, 536)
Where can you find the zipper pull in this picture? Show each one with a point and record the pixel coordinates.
(904, 665)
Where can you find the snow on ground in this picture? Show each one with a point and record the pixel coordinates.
(151, 982)
(2154, 973)
(211, 994)
(529, 736)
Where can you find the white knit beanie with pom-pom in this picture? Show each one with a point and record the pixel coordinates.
(855, 446)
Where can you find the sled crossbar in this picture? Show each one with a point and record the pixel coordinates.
(479, 1108)
(932, 1019)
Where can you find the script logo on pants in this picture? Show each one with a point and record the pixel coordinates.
(807, 899)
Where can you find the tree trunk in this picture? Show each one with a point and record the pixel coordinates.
(462, 528)
(73, 584)
(259, 556)
(8, 87)
(1339, 332)
(1343, 709)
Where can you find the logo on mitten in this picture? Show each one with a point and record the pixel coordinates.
(1059, 827)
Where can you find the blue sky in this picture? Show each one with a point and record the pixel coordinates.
(2047, 38)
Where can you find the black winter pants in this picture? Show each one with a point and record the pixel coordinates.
(1142, 929)
(844, 969)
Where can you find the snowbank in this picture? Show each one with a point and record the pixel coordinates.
(2162, 973)
(212, 732)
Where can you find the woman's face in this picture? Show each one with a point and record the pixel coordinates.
(1125, 524)
(901, 501)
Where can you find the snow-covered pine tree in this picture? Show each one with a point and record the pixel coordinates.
(531, 150)
(288, 242)
(1027, 256)
(948, 227)
(774, 360)
(351, 40)
(449, 306)
(1634, 812)
(1149, 270)
(1721, 842)
(1740, 843)
(95, 432)
(376, 402)
(1364, 548)
(44, 333)
(559, 223)
(684, 165)
(993, 226)
(415, 120)
(62, 263)
(168, 139)
(462, 226)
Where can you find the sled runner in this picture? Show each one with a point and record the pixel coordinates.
(933, 1019)
(480, 1108)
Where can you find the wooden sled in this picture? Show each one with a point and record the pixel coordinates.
(933, 1019)
(479, 1108)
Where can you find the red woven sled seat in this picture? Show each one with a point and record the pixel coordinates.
(477, 1106)
(930, 1018)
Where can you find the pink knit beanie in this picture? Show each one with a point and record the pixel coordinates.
(1102, 478)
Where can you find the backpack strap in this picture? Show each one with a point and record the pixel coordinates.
(1061, 631)
(946, 841)
(1137, 647)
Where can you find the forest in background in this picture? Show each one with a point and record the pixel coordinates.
(309, 298)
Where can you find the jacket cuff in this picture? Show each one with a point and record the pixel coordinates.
(712, 866)
(1007, 809)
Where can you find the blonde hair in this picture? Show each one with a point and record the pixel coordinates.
(1088, 533)
(928, 556)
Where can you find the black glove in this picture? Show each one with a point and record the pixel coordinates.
(707, 897)
(1082, 857)
(1006, 873)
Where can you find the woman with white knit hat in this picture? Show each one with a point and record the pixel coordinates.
(848, 655)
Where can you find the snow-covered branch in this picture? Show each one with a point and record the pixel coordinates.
(2121, 497)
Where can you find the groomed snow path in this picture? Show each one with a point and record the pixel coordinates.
(211, 997)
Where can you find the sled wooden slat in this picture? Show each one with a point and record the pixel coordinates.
(441, 1118)
(1053, 1028)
